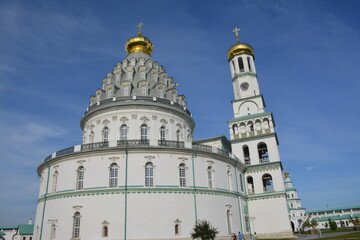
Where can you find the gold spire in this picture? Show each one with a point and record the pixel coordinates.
(139, 43)
(140, 26)
(236, 31)
(286, 175)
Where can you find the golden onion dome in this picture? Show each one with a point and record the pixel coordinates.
(139, 43)
(239, 48)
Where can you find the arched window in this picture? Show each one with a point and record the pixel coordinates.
(263, 153)
(76, 225)
(235, 128)
(249, 64)
(267, 182)
(143, 132)
(266, 125)
(250, 184)
(105, 231)
(228, 221)
(105, 133)
(113, 175)
(251, 128)
(246, 155)
(80, 178)
(182, 175)
(149, 174)
(210, 177)
(241, 64)
(162, 133)
(123, 132)
(228, 176)
(55, 179)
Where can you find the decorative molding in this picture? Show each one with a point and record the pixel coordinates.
(113, 159)
(154, 117)
(114, 118)
(77, 207)
(105, 122)
(134, 116)
(98, 121)
(80, 161)
(124, 119)
(144, 119)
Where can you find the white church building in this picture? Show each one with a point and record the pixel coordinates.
(139, 174)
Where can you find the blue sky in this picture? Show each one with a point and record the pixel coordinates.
(53, 55)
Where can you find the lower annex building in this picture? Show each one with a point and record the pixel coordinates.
(138, 173)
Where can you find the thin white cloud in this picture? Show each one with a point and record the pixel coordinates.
(310, 168)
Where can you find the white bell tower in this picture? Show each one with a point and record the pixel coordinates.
(254, 141)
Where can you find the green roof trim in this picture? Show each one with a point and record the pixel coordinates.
(26, 229)
(250, 116)
(266, 135)
(2, 233)
(332, 209)
(290, 189)
(336, 217)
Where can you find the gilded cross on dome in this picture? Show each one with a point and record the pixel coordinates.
(140, 26)
(236, 31)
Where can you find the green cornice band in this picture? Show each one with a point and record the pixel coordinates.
(244, 75)
(130, 190)
(262, 166)
(262, 136)
(256, 115)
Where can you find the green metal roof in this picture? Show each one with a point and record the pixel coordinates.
(337, 217)
(331, 209)
(26, 229)
(2, 233)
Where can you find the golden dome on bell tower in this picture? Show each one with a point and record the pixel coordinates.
(139, 43)
(239, 47)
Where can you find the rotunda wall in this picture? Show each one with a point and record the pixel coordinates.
(133, 119)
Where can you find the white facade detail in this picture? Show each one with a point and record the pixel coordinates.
(138, 173)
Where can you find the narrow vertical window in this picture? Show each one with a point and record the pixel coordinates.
(105, 231)
(241, 64)
(143, 132)
(80, 178)
(182, 175)
(249, 63)
(162, 133)
(241, 183)
(105, 134)
(76, 225)
(228, 221)
(246, 155)
(114, 174)
(123, 133)
(178, 135)
(228, 176)
(210, 177)
(176, 229)
(149, 174)
(55, 179)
